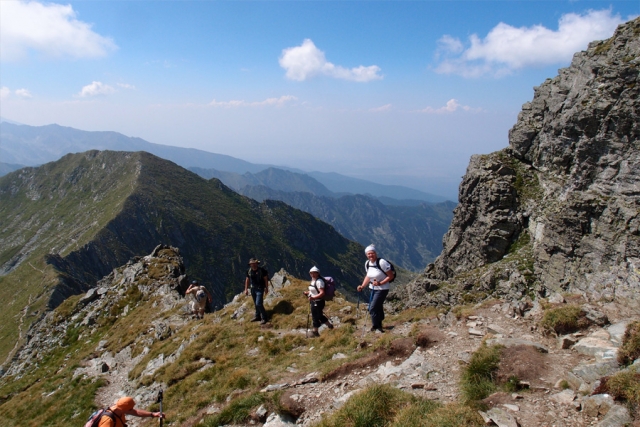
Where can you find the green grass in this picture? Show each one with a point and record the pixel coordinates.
(630, 349)
(386, 406)
(477, 378)
(564, 320)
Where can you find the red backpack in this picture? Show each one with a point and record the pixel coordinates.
(94, 419)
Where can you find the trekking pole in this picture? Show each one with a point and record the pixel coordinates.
(364, 327)
(358, 307)
(160, 401)
(306, 334)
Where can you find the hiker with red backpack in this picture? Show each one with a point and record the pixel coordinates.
(380, 273)
(114, 416)
(201, 296)
(316, 295)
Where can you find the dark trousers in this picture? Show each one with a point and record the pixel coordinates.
(258, 301)
(317, 306)
(375, 307)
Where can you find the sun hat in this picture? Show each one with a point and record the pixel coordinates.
(314, 268)
(254, 261)
(370, 248)
(125, 403)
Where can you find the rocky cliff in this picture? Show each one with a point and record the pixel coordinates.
(557, 210)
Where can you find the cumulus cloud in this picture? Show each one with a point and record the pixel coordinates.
(278, 102)
(23, 93)
(507, 48)
(51, 29)
(307, 61)
(451, 106)
(126, 86)
(96, 88)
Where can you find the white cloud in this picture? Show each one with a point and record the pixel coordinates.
(507, 48)
(380, 109)
(51, 29)
(96, 88)
(23, 93)
(278, 102)
(451, 106)
(307, 61)
(4, 92)
(126, 86)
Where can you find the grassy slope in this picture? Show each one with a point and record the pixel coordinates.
(45, 210)
(99, 209)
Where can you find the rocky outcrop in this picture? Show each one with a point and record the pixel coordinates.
(560, 205)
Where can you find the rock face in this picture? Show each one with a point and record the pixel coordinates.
(559, 208)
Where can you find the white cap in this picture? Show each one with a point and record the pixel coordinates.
(314, 268)
(370, 248)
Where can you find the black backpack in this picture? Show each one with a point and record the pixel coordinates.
(263, 273)
(377, 265)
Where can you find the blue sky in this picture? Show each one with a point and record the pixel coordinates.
(398, 92)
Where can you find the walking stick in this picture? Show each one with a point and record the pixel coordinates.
(306, 334)
(364, 326)
(160, 401)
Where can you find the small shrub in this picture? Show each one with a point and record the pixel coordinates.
(414, 415)
(376, 406)
(564, 320)
(624, 385)
(630, 349)
(477, 378)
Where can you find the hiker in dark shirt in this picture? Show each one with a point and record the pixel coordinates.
(258, 281)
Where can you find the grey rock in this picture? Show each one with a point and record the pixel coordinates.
(500, 417)
(557, 210)
(616, 332)
(598, 404)
(565, 397)
(279, 420)
(618, 416)
(583, 377)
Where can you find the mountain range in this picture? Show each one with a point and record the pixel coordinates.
(66, 224)
(409, 232)
(529, 316)
(35, 145)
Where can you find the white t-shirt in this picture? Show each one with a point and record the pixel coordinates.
(319, 283)
(374, 273)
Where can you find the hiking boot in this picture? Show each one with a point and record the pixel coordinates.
(255, 319)
(263, 322)
(315, 333)
(329, 325)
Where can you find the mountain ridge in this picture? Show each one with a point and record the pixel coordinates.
(66, 224)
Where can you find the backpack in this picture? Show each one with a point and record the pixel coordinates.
(94, 419)
(377, 265)
(329, 288)
(263, 273)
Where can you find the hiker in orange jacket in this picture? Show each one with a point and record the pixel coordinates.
(124, 406)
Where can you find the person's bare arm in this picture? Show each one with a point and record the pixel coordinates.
(143, 413)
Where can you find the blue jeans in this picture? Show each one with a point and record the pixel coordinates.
(375, 307)
(258, 298)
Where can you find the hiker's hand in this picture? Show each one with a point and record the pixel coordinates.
(157, 414)
(246, 292)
